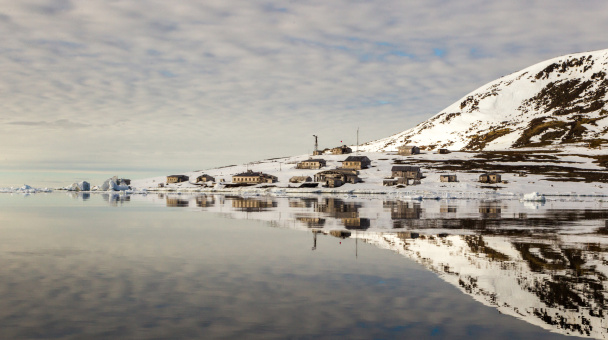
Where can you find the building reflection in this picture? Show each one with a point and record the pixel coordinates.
(347, 212)
(401, 210)
(356, 223)
(490, 210)
(253, 204)
(205, 201)
(303, 203)
(177, 202)
(311, 221)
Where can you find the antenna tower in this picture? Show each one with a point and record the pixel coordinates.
(316, 143)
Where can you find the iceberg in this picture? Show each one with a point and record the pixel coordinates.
(533, 197)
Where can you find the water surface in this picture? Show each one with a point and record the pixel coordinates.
(212, 266)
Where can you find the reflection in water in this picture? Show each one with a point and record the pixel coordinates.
(545, 264)
(175, 202)
(252, 204)
(115, 199)
(490, 210)
(205, 201)
(550, 283)
(312, 222)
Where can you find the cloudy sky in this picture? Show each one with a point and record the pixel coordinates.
(145, 87)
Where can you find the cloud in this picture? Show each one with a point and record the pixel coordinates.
(236, 77)
(60, 123)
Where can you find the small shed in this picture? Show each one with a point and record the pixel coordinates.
(177, 179)
(406, 171)
(300, 179)
(356, 162)
(406, 150)
(490, 177)
(448, 178)
(443, 151)
(205, 178)
(341, 150)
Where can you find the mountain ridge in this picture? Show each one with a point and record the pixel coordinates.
(559, 102)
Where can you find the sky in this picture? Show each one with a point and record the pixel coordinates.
(140, 88)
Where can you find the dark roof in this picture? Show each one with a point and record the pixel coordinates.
(489, 174)
(177, 176)
(348, 172)
(251, 173)
(405, 168)
(356, 159)
(320, 160)
(408, 146)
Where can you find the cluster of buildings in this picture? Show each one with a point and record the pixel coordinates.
(348, 173)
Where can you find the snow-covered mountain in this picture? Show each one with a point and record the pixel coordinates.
(562, 101)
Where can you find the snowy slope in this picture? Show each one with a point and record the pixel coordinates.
(562, 101)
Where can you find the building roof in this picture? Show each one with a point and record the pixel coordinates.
(408, 146)
(318, 160)
(348, 172)
(177, 176)
(356, 159)
(249, 174)
(488, 174)
(405, 168)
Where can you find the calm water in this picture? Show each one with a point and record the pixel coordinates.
(177, 266)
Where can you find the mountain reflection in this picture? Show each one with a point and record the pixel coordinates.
(546, 264)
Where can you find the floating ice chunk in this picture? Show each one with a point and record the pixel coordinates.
(534, 197)
(82, 186)
(111, 185)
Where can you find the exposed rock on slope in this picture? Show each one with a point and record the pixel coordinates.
(562, 101)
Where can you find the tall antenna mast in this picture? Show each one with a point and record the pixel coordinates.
(316, 143)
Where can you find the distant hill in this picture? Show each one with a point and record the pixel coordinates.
(559, 102)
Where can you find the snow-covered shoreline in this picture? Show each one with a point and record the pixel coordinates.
(561, 176)
(468, 186)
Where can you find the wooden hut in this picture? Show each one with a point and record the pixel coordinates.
(341, 150)
(406, 171)
(490, 177)
(177, 179)
(356, 162)
(406, 150)
(311, 164)
(448, 178)
(205, 178)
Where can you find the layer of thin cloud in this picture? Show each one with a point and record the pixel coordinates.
(187, 85)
